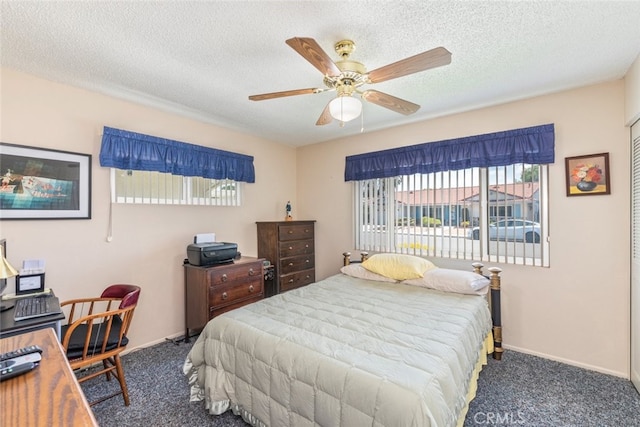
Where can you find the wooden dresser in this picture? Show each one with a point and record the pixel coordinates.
(210, 291)
(289, 245)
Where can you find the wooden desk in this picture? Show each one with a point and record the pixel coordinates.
(47, 396)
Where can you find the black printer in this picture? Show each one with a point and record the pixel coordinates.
(211, 253)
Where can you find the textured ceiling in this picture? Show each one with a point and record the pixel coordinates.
(204, 58)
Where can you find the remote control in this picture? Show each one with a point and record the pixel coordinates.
(20, 352)
(19, 365)
(14, 369)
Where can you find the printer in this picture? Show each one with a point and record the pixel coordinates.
(211, 253)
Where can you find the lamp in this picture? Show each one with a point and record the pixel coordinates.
(345, 108)
(6, 271)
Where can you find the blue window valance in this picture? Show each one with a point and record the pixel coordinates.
(126, 150)
(532, 145)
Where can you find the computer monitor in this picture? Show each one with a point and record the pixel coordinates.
(4, 305)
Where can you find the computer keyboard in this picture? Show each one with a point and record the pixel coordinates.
(31, 307)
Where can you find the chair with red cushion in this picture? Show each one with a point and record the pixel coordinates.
(96, 332)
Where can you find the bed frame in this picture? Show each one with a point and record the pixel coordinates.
(494, 298)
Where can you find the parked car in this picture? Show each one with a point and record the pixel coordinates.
(510, 230)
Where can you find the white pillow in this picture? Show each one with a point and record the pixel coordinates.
(357, 270)
(458, 281)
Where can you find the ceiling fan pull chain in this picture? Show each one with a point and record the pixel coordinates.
(362, 121)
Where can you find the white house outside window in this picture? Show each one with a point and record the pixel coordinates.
(495, 214)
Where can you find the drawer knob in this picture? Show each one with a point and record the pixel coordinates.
(308, 261)
(224, 295)
(290, 231)
(224, 277)
(251, 288)
(290, 248)
(290, 280)
(251, 272)
(306, 246)
(290, 264)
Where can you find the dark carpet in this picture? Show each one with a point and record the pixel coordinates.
(519, 390)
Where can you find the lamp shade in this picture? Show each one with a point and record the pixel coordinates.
(345, 108)
(6, 270)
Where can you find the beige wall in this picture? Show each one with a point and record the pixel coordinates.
(632, 92)
(149, 242)
(578, 309)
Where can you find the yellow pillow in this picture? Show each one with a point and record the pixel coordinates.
(398, 266)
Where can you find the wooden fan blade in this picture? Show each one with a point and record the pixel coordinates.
(423, 61)
(325, 118)
(272, 95)
(312, 52)
(391, 102)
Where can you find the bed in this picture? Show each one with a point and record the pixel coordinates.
(357, 348)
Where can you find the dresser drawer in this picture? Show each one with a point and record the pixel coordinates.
(213, 290)
(289, 246)
(293, 264)
(215, 311)
(233, 273)
(296, 247)
(296, 280)
(295, 232)
(232, 292)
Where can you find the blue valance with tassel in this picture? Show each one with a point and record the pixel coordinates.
(126, 150)
(532, 145)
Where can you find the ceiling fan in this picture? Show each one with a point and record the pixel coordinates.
(346, 77)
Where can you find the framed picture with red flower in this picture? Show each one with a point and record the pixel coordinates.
(588, 175)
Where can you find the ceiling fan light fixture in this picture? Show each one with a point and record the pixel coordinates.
(345, 108)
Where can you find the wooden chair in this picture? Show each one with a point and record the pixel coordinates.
(96, 333)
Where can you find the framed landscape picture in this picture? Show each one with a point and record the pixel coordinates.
(588, 175)
(39, 183)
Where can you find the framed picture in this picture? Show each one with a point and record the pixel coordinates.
(29, 284)
(3, 282)
(38, 183)
(588, 175)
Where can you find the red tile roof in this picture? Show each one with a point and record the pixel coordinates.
(448, 196)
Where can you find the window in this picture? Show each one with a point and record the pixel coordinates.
(152, 170)
(495, 214)
(481, 197)
(148, 187)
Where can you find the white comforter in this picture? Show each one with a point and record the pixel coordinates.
(342, 352)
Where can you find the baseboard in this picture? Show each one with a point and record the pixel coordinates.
(635, 379)
(624, 375)
(152, 343)
(140, 347)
